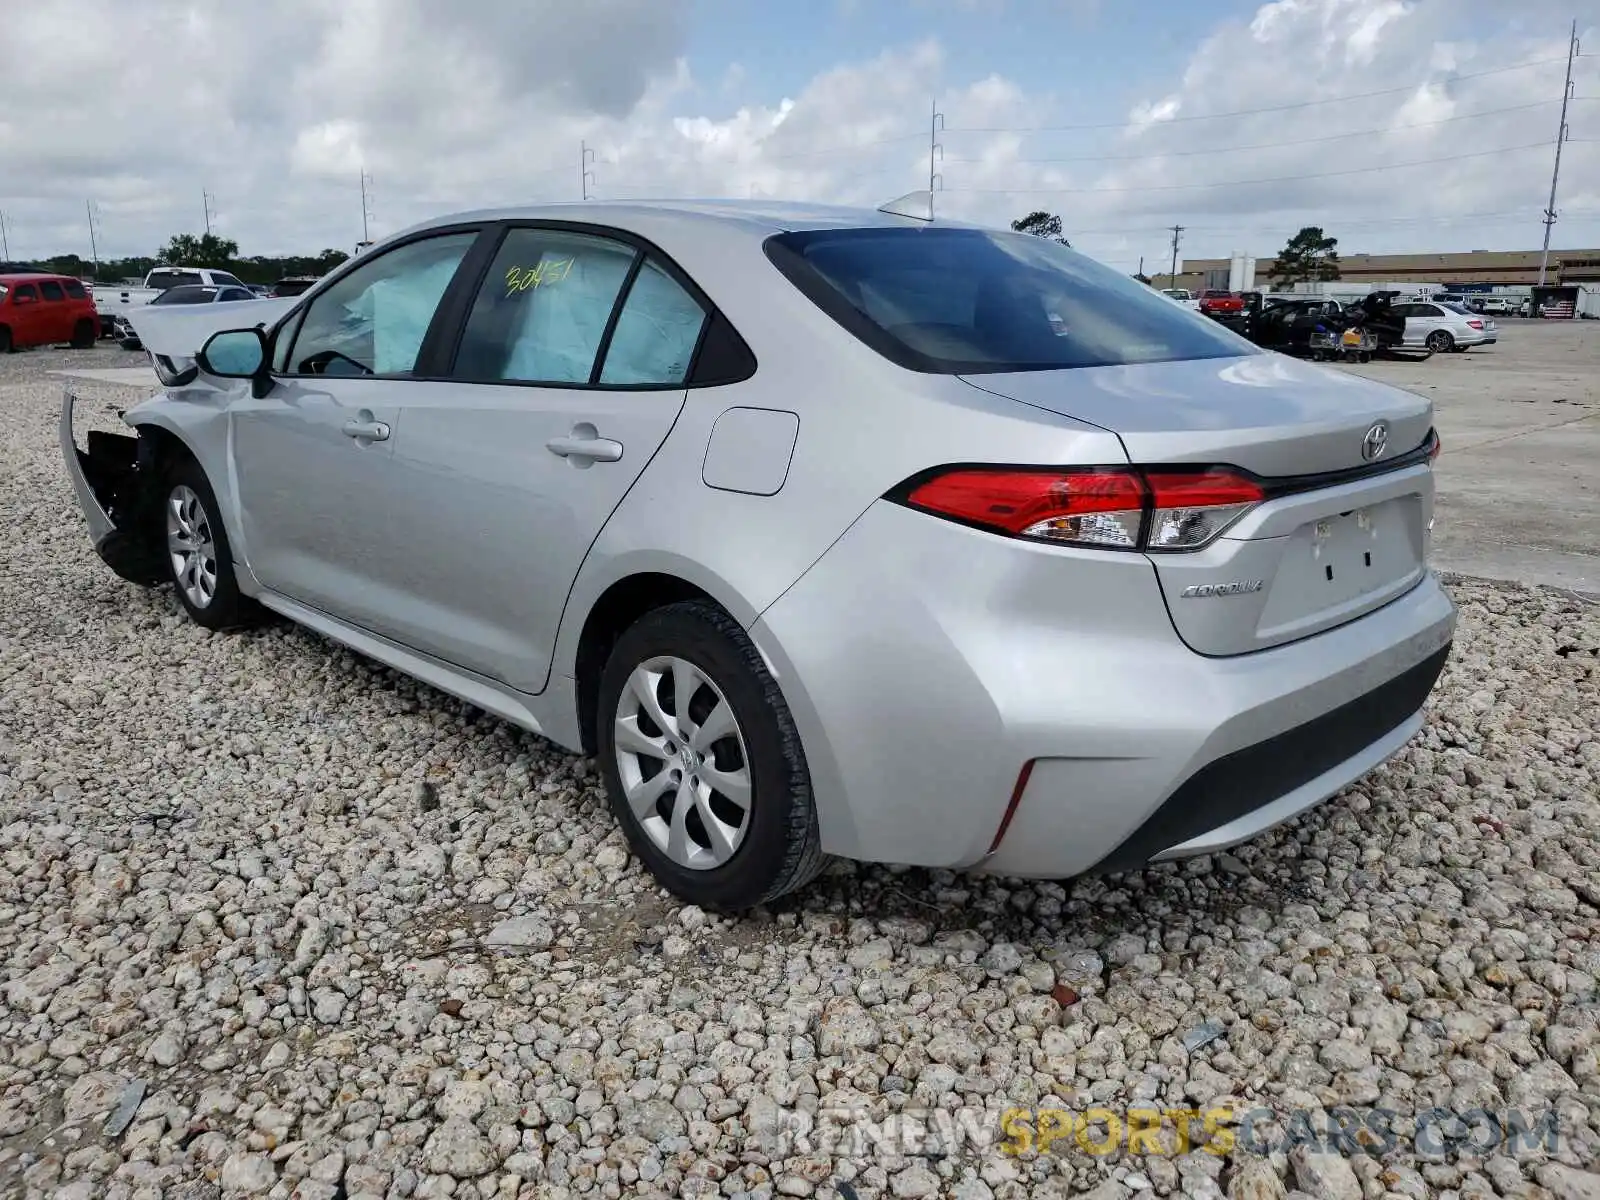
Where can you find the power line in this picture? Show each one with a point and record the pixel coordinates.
(1177, 187)
(1248, 112)
(1332, 137)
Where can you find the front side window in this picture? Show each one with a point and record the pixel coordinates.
(656, 333)
(51, 290)
(26, 291)
(970, 301)
(543, 308)
(373, 321)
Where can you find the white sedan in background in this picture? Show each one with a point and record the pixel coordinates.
(1441, 326)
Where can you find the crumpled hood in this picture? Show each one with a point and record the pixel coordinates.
(179, 330)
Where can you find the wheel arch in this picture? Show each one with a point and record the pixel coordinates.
(170, 437)
(621, 604)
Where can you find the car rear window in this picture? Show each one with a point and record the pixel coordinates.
(76, 290)
(973, 301)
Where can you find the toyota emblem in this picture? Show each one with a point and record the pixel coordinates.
(1376, 441)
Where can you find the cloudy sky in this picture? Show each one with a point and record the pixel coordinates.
(1396, 124)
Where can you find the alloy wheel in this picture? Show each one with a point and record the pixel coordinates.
(191, 547)
(682, 762)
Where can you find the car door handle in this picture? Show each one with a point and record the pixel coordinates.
(373, 431)
(594, 449)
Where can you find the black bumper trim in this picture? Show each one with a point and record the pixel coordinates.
(1242, 782)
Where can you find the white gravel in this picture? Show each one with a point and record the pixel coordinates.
(275, 921)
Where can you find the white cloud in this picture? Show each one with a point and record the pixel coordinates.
(277, 109)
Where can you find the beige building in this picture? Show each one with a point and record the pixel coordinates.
(1502, 267)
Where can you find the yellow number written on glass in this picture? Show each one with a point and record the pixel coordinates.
(520, 279)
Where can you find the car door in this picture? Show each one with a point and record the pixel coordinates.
(312, 456)
(55, 314)
(26, 316)
(570, 370)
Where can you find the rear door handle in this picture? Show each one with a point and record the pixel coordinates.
(372, 431)
(591, 449)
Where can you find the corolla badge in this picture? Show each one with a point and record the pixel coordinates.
(1239, 587)
(1376, 441)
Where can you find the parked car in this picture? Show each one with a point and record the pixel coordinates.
(191, 293)
(42, 310)
(294, 285)
(1183, 296)
(1443, 327)
(1220, 303)
(826, 532)
(111, 299)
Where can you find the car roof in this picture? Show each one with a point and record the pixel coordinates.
(757, 217)
(34, 276)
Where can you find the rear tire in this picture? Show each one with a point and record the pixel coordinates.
(199, 560)
(5, 340)
(693, 835)
(83, 335)
(1439, 341)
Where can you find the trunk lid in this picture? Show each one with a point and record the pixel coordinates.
(1339, 534)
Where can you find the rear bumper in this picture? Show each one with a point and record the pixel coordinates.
(927, 665)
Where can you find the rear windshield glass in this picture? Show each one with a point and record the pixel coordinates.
(970, 301)
(75, 290)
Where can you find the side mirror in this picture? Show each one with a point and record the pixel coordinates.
(234, 354)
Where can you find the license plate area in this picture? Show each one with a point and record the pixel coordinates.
(1343, 562)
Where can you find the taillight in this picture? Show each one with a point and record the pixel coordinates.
(1434, 448)
(1190, 509)
(1091, 508)
(1114, 508)
(1475, 324)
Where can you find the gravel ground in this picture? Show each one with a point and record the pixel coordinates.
(276, 921)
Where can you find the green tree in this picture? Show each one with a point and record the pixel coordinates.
(204, 250)
(1309, 256)
(1041, 224)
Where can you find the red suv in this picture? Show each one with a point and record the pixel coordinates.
(1221, 302)
(41, 310)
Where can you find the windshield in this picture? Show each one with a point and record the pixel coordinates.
(186, 295)
(971, 301)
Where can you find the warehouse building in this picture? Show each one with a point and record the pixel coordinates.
(1486, 268)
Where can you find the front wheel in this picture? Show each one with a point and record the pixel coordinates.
(702, 762)
(199, 560)
(1440, 341)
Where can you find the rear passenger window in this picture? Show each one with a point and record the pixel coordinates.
(75, 290)
(543, 309)
(656, 333)
(51, 290)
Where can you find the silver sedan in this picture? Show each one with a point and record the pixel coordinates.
(826, 531)
(1442, 326)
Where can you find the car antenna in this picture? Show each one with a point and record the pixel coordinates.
(917, 205)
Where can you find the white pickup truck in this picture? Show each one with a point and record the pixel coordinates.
(109, 299)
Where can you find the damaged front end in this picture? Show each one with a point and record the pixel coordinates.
(116, 481)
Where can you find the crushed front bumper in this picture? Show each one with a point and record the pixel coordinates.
(111, 481)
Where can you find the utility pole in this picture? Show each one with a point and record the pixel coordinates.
(1172, 275)
(1141, 264)
(5, 243)
(94, 245)
(935, 153)
(205, 199)
(1561, 136)
(585, 176)
(365, 211)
